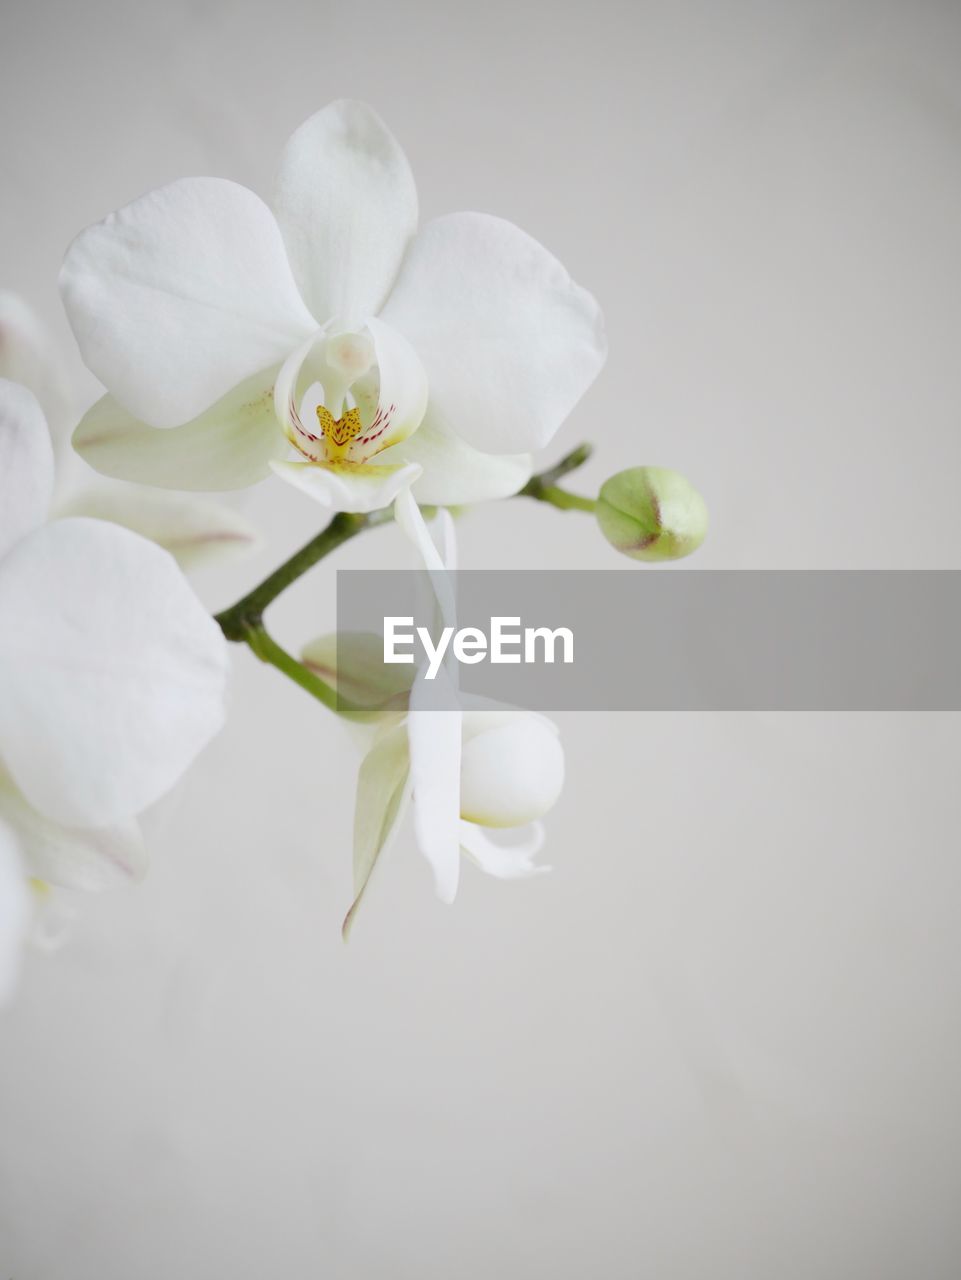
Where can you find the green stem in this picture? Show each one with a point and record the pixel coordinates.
(563, 499)
(544, 487)
(570, 462)
(260, 642)
(243, 622)
(248, 612)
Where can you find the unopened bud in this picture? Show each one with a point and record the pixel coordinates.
(353, 663)
(512, 768)
(652, 513)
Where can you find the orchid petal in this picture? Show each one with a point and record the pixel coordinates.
(512, 771)
(455, 473)
(402, 396)
(28, 356)
(434, 739)
(26, 464)
(409, 519)
(229, 446)
(510, 343)
(390, 391)
(445, 538)
(112, 678)
(514, 861)
(14, 912)
(181, 295)
(358, 489)
(382, 797)
(288, 406)
(439, 556)
(347, 206)
(85, 858)
(194, 531)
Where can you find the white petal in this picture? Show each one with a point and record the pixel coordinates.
(194, 531)
(445, 537)
(434, 739)
(439, 556)
(347, 205)
(513, 861)
(511, 772)
(402, 397)
(455, 473)
(510, 343)
(25, 348)
(392, 398)
(26, 464)
(292, 409)
(180, 296)
(14, 912)
(358, 489)
(112, 679)
(28, 356)
(382, 795)
(229, 446)
(87, 858)
(408, 516)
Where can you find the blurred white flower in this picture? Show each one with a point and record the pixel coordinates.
(195, 531)
(112, 675)
(35, 847)
(322, 325)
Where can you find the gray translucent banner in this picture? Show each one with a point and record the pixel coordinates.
(672, 640)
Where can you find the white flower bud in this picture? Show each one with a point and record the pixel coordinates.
(512, 768)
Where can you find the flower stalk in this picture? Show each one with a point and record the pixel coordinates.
(544, 487)
(243, 622)
(247, 614)
(266, 648)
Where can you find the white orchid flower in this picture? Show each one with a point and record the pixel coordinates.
(112, 675)
(465, 773)
(325, 327)
(195, 531)
(478, 783)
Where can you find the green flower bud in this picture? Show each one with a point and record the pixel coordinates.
(353, 662)
(651, 513)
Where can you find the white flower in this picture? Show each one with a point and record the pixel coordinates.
(195, 531)
(465, 773)
(112, 676)
(478, 783)
(203, 312)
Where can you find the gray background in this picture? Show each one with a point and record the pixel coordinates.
(722, 1039)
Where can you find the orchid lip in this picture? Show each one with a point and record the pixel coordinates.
(365, 391)
(343, 439)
